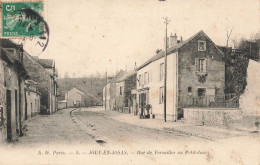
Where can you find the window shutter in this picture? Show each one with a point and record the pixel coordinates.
(197, 64)
(207, 65)
(150, 76)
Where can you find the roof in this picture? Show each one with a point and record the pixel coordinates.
(7, 43)
(32, 59)
(77, 91)
(175, 48)
(46, 63)
(13, 59)
(126, 75)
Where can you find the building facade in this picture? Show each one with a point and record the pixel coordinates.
(106, 96)
(12, 100)
(32, 99)
(76, 96)
(46, 80)
(124, 97)
(195, 75)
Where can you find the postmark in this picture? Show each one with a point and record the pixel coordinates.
(22, 19)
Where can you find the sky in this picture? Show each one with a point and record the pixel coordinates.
(90, 37)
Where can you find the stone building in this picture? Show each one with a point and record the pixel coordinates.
(195, 75)
(12, 100)
(32, 99)
(124, 98)
(109, 91)
(45, 77)
(112, 90)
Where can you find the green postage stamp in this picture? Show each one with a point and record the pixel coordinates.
(22, 19)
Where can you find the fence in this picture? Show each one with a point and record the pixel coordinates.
(228, 101)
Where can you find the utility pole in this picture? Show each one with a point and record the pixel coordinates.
(106, 92)
(166, 21)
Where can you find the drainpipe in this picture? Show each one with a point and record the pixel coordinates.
(177, 88)
(20, 90)
(20, 106)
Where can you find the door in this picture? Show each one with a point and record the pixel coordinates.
(8, 111)
(143, 102)
(26, 113)
(16, 112)
(201, 97)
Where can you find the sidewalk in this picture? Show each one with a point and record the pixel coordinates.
(205, 132)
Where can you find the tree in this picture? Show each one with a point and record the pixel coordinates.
(228, 33)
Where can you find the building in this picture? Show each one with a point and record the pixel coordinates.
(125, 100)
(12, 94)
(76, 96)
(32, 99)
(109, 92)
(106, 96)
(49, 66)
(45, 77)
(195, 75)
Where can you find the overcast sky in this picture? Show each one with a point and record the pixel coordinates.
(90, 36)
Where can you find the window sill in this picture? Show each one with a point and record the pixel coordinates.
(201, 73)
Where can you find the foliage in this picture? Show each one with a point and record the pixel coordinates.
(92, 87)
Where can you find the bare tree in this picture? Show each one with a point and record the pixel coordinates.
(228, 32)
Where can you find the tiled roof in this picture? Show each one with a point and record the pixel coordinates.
(46, 63)
(126, 75)
(173, 49)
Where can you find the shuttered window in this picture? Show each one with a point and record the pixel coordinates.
(201, 65)
(162, 71)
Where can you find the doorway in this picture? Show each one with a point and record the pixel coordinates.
(142, 99)
(8, 112)
(201, 96)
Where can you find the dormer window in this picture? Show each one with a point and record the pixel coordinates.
(201, 45)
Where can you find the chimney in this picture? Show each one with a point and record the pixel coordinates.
(173, 40)
(20, 53)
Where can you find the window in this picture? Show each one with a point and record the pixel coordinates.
(201, 92)
(201, 45)
(146, 78)
(201, 65)
(121, 90)
(189, 89)
(162, 71)
(161, 95)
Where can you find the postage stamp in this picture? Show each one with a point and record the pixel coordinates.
(22, 19)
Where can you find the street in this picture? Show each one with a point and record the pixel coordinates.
(94, 134)
(95, 126)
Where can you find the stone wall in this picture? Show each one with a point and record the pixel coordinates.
(3, 133)
(222, 118)
(62, 105)
(214, 78)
